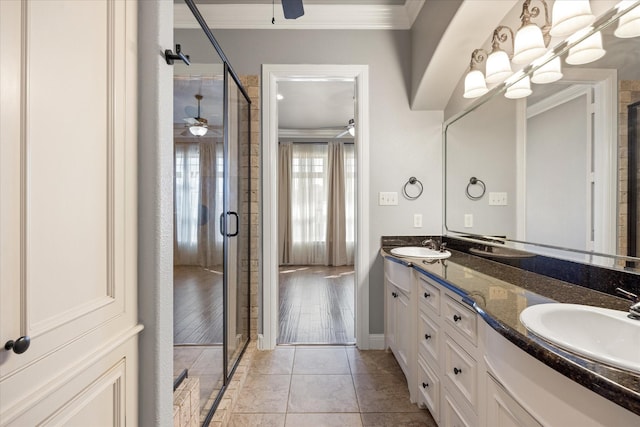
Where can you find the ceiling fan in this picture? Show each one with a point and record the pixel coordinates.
(350, 129)
(293, 9)
(197, 125)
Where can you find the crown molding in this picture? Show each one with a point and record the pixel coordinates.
(316, 17)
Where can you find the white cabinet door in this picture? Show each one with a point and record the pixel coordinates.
(403, 329)
(503, 410)
(390, 316)
(68, 196)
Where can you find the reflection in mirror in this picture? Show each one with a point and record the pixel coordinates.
(558, 166)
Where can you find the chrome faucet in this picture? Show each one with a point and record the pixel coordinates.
(634, 310)
(429, 243)
(433, 245)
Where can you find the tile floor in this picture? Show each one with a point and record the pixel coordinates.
(204, 362)
(325, 386)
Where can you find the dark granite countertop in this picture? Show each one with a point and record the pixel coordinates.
(500, 292)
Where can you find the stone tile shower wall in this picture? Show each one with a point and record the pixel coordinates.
(252, 162)
(628, 93)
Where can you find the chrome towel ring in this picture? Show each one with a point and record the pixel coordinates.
(475, 181)
(413, 181)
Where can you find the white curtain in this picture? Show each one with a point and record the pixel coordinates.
(198, 204)
(316, 204)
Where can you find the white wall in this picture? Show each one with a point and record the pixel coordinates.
(403, 143)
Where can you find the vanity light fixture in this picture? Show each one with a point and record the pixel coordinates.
(629, 23)
(588, 50)
(569, 16)
(531, 41)
(498, 65)
(474, 83)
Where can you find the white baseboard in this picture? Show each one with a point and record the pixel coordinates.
(376, 342)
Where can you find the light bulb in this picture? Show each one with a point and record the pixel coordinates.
(569, 16)
(588, 50)
(519, 89)
(498, 67)
(198, 130)
(528, 45)
(629, 23)
(549, 72)
(474, 84)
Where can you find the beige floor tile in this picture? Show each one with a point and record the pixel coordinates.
(324, 361)
(208, 363)
(256, 420)
(383, 393)
(411, 419)
(323, 420)
(322, 393)
(264, 394)
(373, 362)
(278, 361)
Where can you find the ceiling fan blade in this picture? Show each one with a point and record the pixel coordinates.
(292, 9)
(191, 121)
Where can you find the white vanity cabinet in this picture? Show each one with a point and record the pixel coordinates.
(447, 351)
(398, 314)
(467, 374)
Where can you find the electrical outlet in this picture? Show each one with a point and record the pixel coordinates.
(498, 199)
(417, 220)
(387, 198)
(468, 220)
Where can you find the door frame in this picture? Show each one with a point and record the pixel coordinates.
(271, 75)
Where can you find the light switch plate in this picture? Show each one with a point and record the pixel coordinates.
(497, 199)
(417, 220)
(387, 198)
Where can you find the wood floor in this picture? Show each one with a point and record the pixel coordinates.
(197, 306)
(316, 305)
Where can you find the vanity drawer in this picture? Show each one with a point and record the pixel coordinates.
(461, 371)
(428, 294)
(429, 389)
(461, 318)
(429, 338)
(398, 274)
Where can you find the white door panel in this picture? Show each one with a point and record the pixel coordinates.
(67, 186)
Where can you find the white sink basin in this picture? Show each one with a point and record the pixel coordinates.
(420, 252)
(607, 336)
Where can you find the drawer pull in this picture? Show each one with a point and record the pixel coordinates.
(394, 294)
(457, 371)
(425, 385)
(427, 294)
(456, 318)
(427, 336)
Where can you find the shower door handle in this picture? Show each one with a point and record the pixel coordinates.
(223, 229)
(235, 214)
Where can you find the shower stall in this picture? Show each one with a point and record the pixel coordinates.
(211, 215)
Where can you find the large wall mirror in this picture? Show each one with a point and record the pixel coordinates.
(554, 173)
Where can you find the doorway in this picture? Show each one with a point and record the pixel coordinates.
(273, 75)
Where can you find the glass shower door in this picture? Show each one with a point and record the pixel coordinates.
(238, 219)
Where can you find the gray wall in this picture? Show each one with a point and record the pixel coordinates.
(403, 143)
(155, 214)
(556, 196)
(482, 144)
